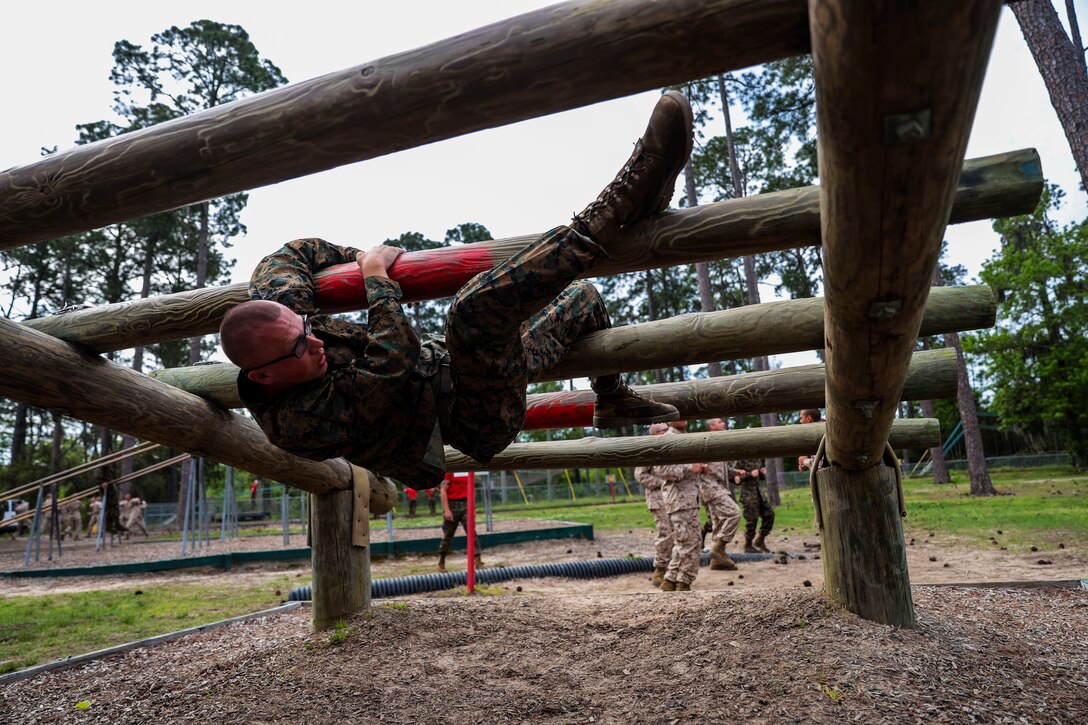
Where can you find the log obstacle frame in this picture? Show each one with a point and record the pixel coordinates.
(897, 85)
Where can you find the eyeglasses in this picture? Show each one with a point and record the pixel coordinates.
(297, 351)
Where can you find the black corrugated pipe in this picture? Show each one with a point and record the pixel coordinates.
(592, 569)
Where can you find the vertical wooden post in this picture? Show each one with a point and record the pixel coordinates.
(341, 571)
(857, 510)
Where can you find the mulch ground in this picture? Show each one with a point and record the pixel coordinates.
(753, 656)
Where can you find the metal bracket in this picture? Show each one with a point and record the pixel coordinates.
(817, 460)
(893, 460)
(907, 127)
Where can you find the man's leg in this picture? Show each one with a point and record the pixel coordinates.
(724, 520)
(449, 528)
(684, 566)
(488, 361)
(749, 498)
(766, 515)
(663, 543)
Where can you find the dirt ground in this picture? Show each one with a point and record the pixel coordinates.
(953, 564)
(771, 655)
(756, 645)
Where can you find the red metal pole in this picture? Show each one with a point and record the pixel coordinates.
(471, 575)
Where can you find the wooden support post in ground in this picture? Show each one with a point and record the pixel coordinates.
(1002, 185)
(341, 570)
(896, 89)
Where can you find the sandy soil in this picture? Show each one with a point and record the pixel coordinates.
(772, 655)
(954, 564)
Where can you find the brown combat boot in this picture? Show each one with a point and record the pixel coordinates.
(719, 560)
(748, 548)
(668, 585)
(442, 563)
(682, 587)
(658, 576)
(645, 184)
(617, 405)
(759, 545)
(478, 563)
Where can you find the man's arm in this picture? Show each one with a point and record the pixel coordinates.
(443, 490)
(287, 275)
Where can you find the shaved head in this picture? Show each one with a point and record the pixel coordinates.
(243, 331)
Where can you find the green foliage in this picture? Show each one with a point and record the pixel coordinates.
(1034, 358)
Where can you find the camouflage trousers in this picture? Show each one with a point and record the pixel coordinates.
(508, 325)
(686, 547)
(663, 541)
(459, 509)
(723, 510)
(755, 508)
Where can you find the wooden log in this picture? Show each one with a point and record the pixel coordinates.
(897, 85)
(341, 571)
(777, 442)
(896, 90)
(99, 391)
(1002, 185)
(932, 375)
(771, 328)
(856, 509)
(542, 62)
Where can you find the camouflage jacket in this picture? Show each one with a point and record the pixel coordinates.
(749, 464)
(716, 475)
(375, 405)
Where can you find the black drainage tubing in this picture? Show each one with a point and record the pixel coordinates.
(591, 569)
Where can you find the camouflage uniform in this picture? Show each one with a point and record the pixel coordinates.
(655, 501)
(751, 499)
(71, 520)
(724, 513)
(681, 492)
(135, 522)
(380, 404)
(92, 523)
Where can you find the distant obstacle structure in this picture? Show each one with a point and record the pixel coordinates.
(897, 85)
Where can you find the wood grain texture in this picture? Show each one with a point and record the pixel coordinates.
(1002, 185)
(932, 375)
(781, 441)
(341, 571)
(542, 62)
(886, 190)
(96, 390)
(864, 555)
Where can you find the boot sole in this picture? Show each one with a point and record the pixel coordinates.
(689, 120)
(605, 422)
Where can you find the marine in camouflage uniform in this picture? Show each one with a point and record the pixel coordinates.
(756, 508)
(724, 513)
(681, 492)
(651, 482)
(385, 403)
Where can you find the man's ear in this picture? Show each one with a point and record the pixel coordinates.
(259, 376)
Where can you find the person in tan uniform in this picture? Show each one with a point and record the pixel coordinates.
(808, 415)
(135, 522)
(96, 512)
(124, 509)
(723, 511)
(71, 520)
(681, 493)
(651, 482)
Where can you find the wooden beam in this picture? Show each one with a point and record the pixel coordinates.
(99, 391)
(549, 60)
(781, 441)
(932, 375)
(897, 84)
(1003, 185)
(896, 90)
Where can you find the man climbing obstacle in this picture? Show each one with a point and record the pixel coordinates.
(375, 395)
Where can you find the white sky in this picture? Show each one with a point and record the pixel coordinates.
(515, 180)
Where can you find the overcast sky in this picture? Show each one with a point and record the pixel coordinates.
(515, 180)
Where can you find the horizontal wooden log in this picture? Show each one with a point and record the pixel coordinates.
(1002, 185)
(932, 376)
(897, 85)
(549, 60)
(777, 442)
(42, 371)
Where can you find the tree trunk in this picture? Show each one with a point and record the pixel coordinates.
(128, 441)
(936, 454)
(201, 274)
(1074, 31)
(972, 436)
(702, 270)
(58, 439)
(1062, 67)
(651, 311)
(18, 433)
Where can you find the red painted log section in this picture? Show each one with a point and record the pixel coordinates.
(572, 409)
(426, 275)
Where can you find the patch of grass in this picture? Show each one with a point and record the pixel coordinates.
(40, 629)
(481, 590)
(398, 606)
